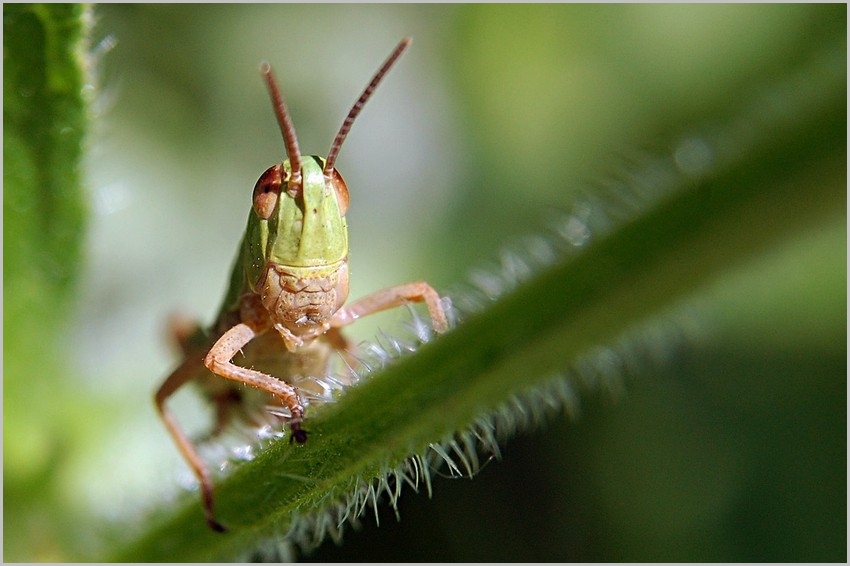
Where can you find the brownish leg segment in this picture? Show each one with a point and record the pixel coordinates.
(417, 292)
(185, 372)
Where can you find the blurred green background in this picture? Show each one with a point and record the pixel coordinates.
(498, 114)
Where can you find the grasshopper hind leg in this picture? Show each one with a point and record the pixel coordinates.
(184, 373)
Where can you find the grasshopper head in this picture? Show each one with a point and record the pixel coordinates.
(297, 244)
(301, 225)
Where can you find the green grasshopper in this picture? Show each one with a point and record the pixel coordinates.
(285, 304)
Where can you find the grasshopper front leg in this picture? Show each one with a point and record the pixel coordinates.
(218, 361)
(416, 292)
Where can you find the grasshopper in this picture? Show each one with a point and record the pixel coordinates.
(286, 301)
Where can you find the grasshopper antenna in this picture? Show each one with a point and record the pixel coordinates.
(286, 128)
(358, 106)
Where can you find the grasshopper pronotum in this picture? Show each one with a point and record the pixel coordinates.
(286, 300)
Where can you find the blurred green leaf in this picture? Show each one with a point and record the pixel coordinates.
(44, 126)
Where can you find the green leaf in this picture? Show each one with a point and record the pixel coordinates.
(726, 193)
(44, 121)
(44, 125)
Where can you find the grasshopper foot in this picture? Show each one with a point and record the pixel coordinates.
(216, 526)
(299, 435)
(206, 490)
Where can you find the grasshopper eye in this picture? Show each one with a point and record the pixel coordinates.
(267, 191)
(341, 190)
